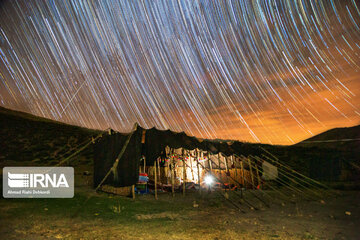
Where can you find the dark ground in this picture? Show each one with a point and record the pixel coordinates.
(92, 215)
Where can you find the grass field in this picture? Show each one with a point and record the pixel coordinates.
(92, 215)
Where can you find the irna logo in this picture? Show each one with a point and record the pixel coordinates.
(38, 182)
(35, 180)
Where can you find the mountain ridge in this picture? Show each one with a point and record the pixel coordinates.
(31, 140)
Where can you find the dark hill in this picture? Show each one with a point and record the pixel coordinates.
(31, 140)
(346, 139)
(28, 138)
(332, 155)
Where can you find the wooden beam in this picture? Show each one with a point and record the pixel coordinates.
(172, 176)
(221, 179)
(159, 170)
(133, 191)
(226, 164)
(144, 164)
(251, 173)
(184, 176)
(191, 164)
(258, 176)
(198, 170)
(167, 170)
(210, 163)
(227, 171)
(233, 162)
(155, 180)
(242, 173)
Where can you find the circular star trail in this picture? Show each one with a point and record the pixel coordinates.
(258, 71)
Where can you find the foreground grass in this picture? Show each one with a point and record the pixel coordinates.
(103, 216)
(78, 217)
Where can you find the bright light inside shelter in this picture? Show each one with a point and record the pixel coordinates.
(209, 179)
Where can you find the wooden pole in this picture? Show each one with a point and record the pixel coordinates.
(159, 170)
(220, 167)
(210, 163)
(233, 161)
(258, 176)
(251, 173)
(167, 171)
(226, 164)
(113, 168)
(242, 177)
(172, 177)
(155, 180)
(227, 171)
(144, 165)
(184, 176)
(192, 170)
(133, 191)
(242, 173)
(198, 170)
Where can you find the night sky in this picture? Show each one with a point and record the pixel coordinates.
(258, 71)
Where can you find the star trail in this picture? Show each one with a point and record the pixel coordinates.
(258, 71)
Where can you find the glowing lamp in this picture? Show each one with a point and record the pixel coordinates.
(209, 179)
